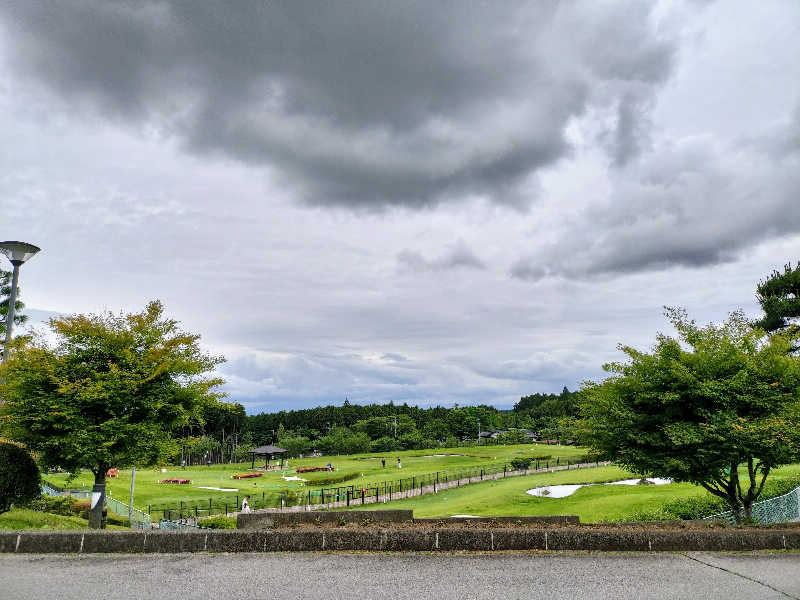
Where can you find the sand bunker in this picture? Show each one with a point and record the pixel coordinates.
(216, 489)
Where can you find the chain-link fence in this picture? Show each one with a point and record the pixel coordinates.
(780, 509)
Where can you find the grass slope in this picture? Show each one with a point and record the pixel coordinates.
(507, 497)
(367, 466)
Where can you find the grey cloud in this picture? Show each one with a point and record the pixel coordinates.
(460, 256)
(361, 105)
(690, 204)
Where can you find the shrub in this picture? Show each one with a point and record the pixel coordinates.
(519, 464)
(56, 505)
(20, 480)
(333, 479)
(219, 522)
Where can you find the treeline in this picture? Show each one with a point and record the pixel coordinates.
(228, 434)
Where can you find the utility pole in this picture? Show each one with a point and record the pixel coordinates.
(130, 499)
(395, 427)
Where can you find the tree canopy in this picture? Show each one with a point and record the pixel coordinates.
(779, 296)
(700, 406)
(110, 391)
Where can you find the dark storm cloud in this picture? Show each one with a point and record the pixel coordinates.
(356, 104)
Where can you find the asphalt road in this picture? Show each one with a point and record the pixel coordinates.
(330, 576)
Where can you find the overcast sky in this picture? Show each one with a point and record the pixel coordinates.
(434, 202)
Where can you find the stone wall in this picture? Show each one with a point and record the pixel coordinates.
(376, 539)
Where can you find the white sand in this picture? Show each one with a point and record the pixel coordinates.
(205, 487)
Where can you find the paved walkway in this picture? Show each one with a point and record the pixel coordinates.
(334, 576)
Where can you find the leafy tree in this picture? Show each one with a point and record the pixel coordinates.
(385, 444)
(19, 476)
(5, 293)
(436, 429)
(341, 440)
(512, 436)
(698, 407)
(295, 445)
(779, 296)
(109, 392)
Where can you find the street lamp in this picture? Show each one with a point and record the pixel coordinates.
(17, 253)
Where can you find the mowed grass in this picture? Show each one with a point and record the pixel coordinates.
(23, 518)
(148, 490)
(507, 497)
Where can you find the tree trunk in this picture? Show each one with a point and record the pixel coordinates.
(97, 502)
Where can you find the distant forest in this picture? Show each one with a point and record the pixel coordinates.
(227, 433)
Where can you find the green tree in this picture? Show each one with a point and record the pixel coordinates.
(5, 293)
(779, 296)
(108, 392)
(699, 407)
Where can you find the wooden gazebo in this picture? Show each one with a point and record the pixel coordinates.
(268, 451)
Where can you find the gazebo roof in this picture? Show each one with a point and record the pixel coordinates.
(267, 450)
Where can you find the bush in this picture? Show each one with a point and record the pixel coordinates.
(20, 480)
(56, 505)
(219, 522)
(519, 464)
(332, 479)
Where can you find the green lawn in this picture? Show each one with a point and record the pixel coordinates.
(368, 467)
(507, 497)
(23, 518)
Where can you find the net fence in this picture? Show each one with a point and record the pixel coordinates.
(780, 509)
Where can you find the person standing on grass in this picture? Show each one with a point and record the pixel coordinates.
(383, 463)
(399, 464)
(246, 504)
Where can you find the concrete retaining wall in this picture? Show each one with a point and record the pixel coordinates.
(399, 540)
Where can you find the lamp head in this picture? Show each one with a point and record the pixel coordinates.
(18, 252)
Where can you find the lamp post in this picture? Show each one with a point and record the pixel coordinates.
(17, 253)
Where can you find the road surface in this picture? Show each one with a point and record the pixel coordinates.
(333, 576)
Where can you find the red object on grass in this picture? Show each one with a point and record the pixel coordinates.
(247, 475)
(176, 481)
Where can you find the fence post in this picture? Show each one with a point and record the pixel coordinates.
(226, 509)
(210, 508)
(195, 511)
(180, 513)
(376, 495)
(309, 498)
(434, 487)
(390, 493)
(504, 470)
(481, 474)
(149, 509)
(347, 494)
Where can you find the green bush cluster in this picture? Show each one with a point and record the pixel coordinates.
(219, 522)
(20, 479)
(333, 479)
(56, 505)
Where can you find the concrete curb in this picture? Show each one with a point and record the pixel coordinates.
(397, 540)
